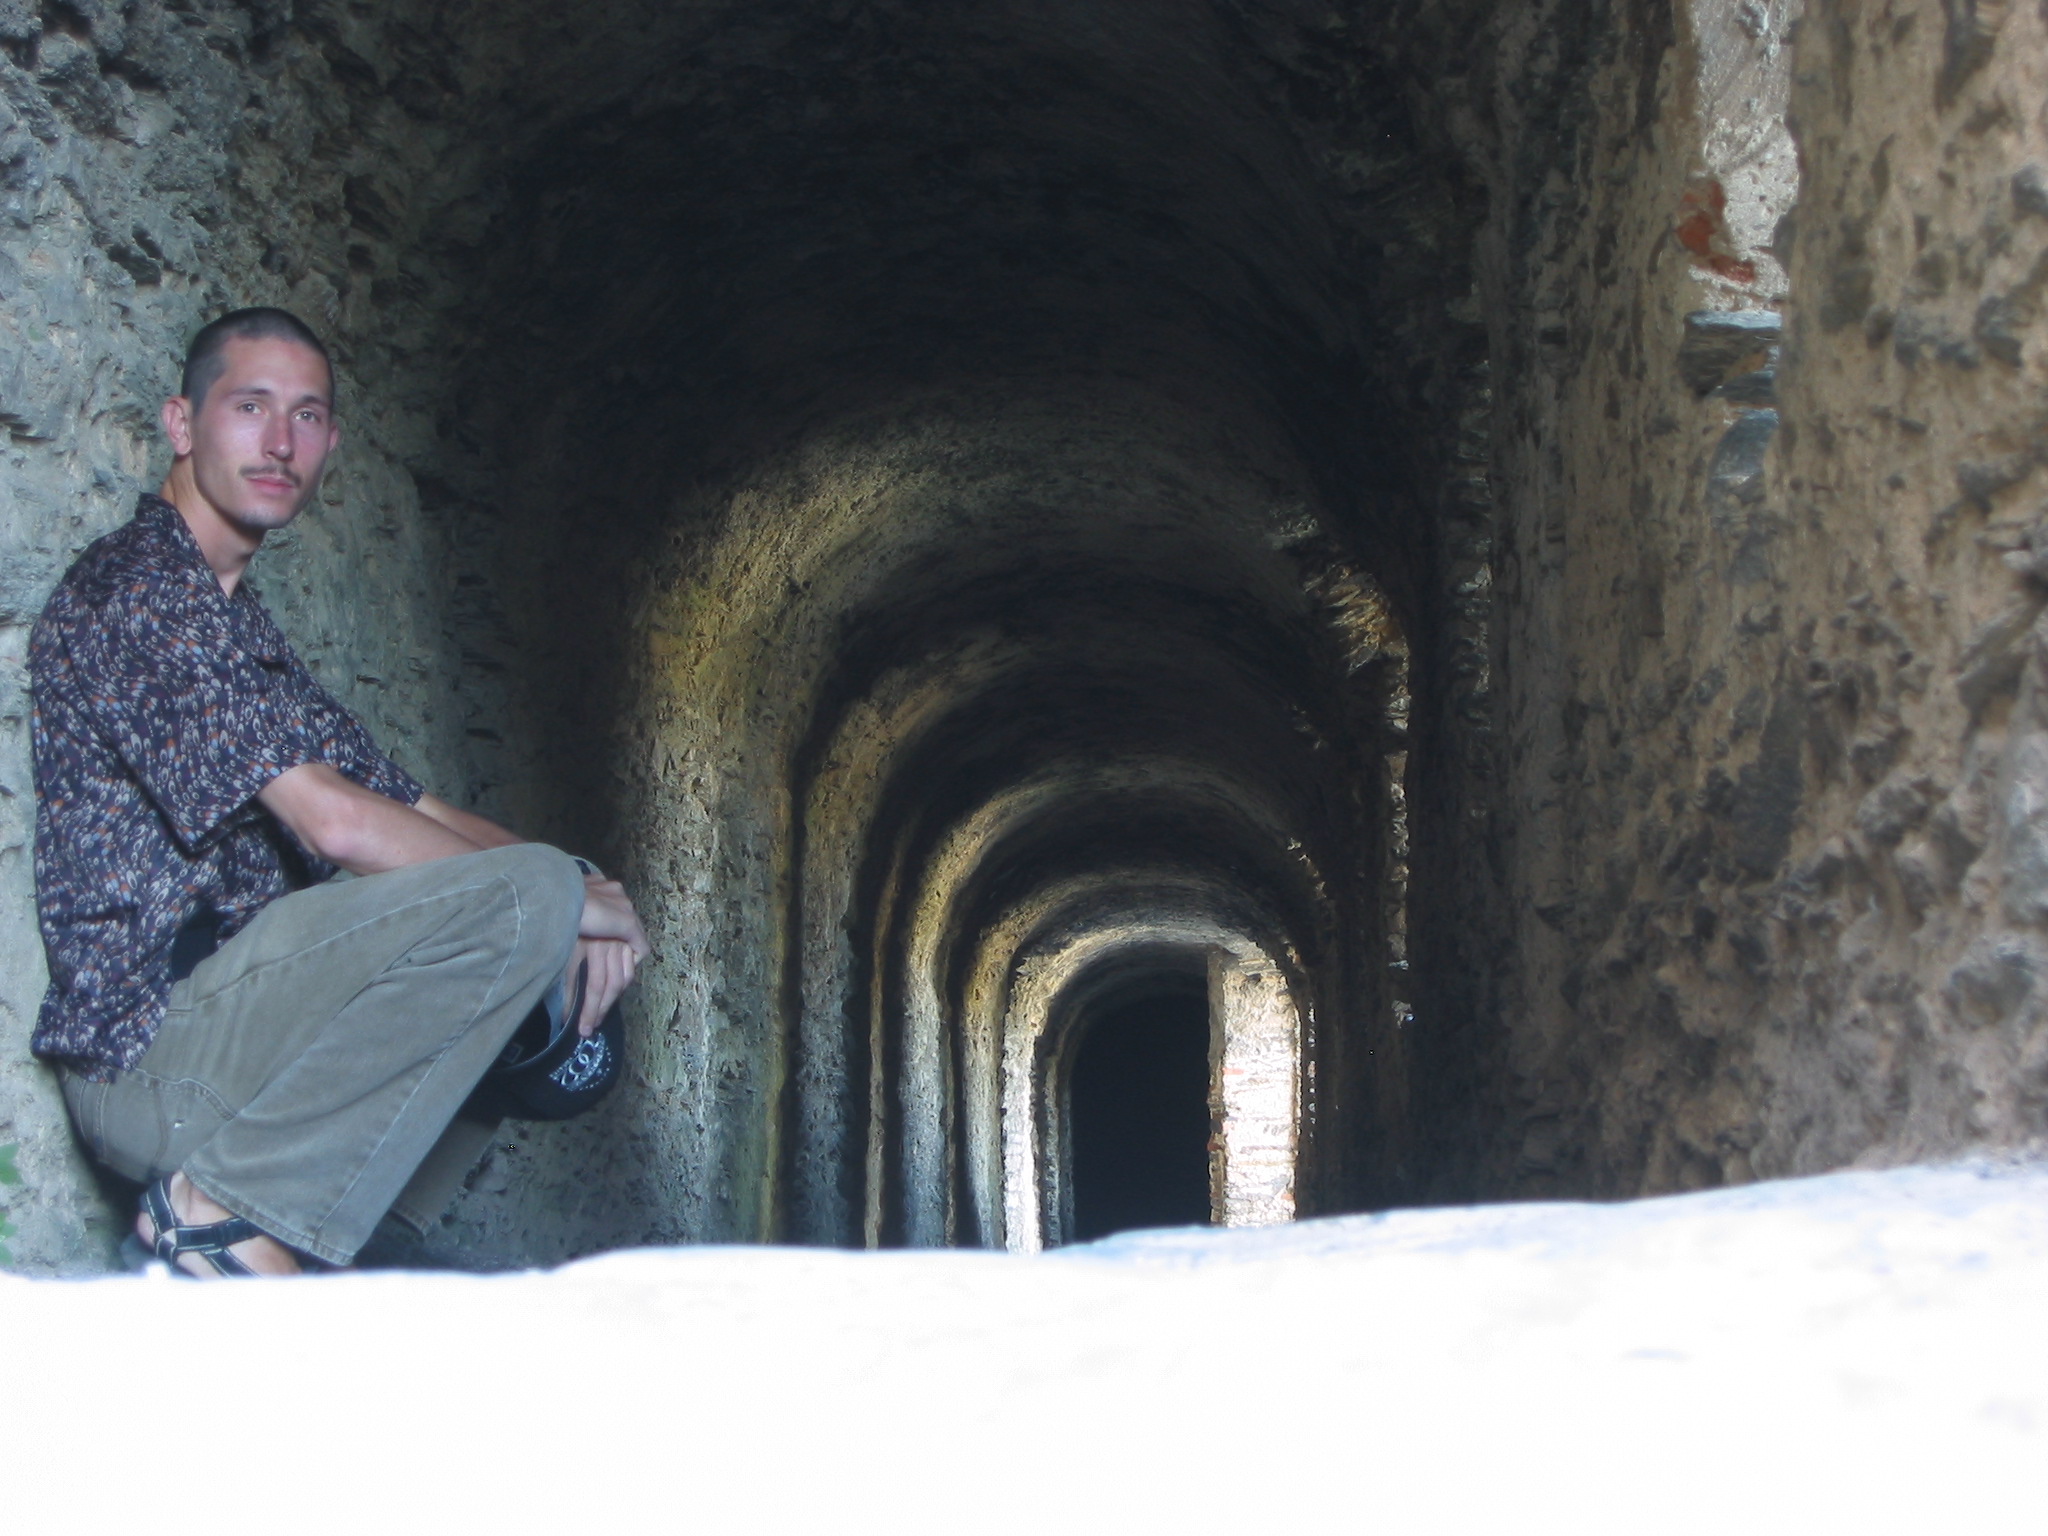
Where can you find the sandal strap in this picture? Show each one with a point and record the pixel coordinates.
(163, 1221)
(213, 1237)
(225, 1263)
(207, 1240)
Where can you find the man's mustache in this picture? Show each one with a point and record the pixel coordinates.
(272, 472)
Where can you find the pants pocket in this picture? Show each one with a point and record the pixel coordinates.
(87, 1102)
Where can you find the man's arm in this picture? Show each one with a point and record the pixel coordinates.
(480, 830)
(367, 833)
(353, 827)
(358, 829)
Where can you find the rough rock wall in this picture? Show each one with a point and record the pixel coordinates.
(1899, 950)
(1772, 689)
(1627, 620)
(158, 165)
(1381, 99)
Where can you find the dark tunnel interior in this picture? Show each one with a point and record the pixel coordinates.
(985, 467)
(1139, 1115)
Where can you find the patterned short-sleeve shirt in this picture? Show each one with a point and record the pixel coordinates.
(162, 705)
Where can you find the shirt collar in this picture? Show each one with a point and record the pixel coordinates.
(164, 520)
(168, 523)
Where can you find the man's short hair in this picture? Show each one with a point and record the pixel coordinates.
(205, 359)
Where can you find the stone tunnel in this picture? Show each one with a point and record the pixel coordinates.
(1465, 577)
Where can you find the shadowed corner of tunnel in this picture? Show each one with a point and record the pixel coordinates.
(1139, 1111)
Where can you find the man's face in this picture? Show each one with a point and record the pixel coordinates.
(259, 438)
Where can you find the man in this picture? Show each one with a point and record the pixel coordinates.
(196, 789)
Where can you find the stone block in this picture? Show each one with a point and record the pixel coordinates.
(1735, 476)
(2023, 803)
(2030, 192)
(1721, 344)
(39, 394)
(20, 21)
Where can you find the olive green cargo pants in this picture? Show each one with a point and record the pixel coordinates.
(309, 1073)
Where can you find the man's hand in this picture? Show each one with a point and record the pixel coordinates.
(365, 834)
(611, 943)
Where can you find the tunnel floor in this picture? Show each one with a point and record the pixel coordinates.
(1698, 1363)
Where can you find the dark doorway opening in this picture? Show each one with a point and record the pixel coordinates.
(1138, 1108)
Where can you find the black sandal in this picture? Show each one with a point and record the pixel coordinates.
(210, 1242)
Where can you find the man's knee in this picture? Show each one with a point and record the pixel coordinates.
(548, 887)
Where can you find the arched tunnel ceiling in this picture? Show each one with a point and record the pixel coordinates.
(705, 234)
(709, 225)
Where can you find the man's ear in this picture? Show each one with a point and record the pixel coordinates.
(178, 424)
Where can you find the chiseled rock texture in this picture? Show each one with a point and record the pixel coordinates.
(1525, 515)
(1776, 759)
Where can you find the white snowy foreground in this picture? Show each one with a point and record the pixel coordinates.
(1861, 1352)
